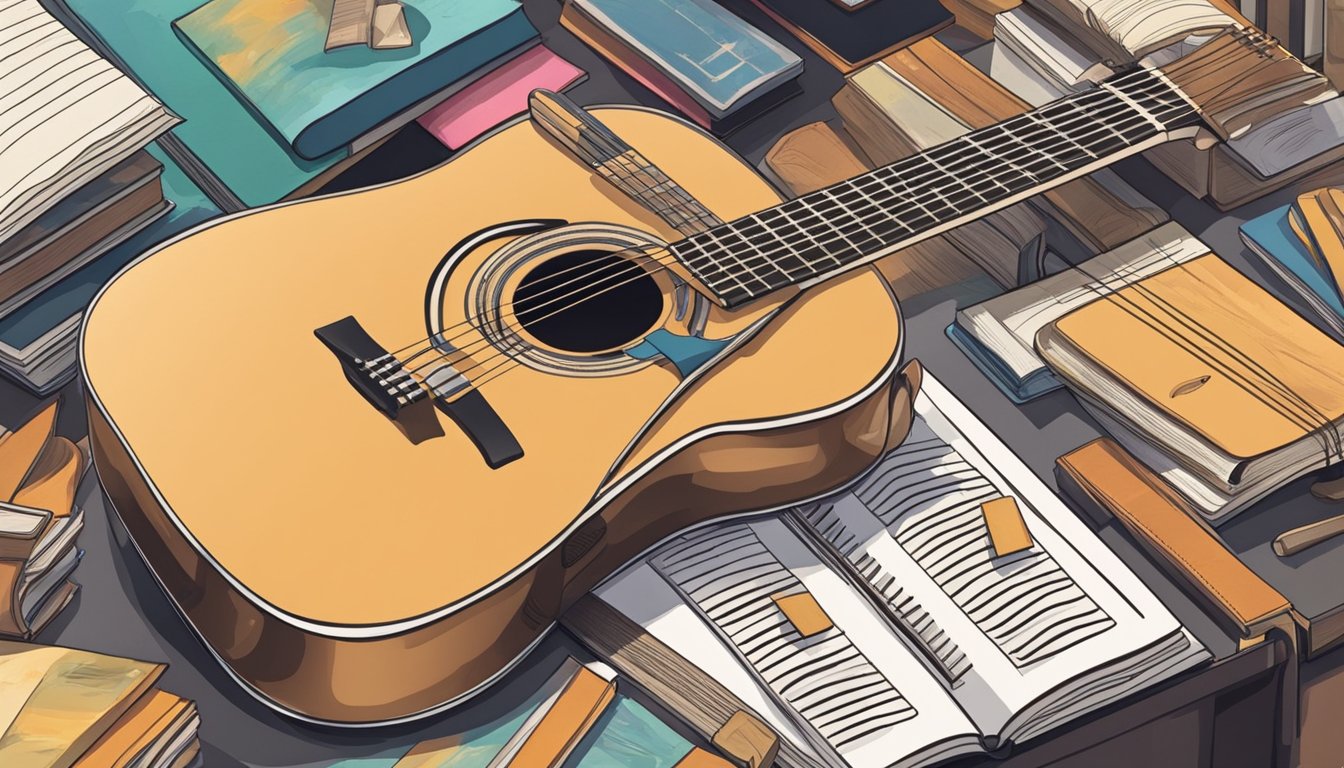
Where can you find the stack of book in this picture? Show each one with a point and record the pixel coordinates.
(80, 180)
(999, 335)
(710, 65)
(38, 339)
(1048, 48)
(925, 95)
(39, 474)
(67, 707)
(262, 128)
(1161, 363)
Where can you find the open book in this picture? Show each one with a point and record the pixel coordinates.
(922, 643)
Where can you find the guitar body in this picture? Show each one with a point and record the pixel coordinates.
(350, 568)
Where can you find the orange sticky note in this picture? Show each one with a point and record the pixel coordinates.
(1007, 529)
(803, 611)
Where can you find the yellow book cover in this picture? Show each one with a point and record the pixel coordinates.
(1218, 354)
(72, 698)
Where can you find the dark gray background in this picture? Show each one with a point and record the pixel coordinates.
(121, 610)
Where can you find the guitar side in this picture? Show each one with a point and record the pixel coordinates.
(757, 429)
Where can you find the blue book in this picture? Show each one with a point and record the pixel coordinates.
(45, 323)
(1270, 236)
(719, 60)
(1041, 381)
(270, 54)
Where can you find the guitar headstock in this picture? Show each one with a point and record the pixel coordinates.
(1243, 77)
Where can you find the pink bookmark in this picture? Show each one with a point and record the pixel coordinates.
(498, 96)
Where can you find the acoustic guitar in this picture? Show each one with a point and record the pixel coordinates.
(373, 444)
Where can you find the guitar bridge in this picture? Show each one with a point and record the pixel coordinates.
(382, 379)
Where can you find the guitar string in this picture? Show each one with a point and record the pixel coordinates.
(1136, 75)
(866, 179)
(627, 268)
(836, 239)
(1328, 434)
(622, 269)
(837, 236)
(487, 372)
(1075, 105)
(483, 368)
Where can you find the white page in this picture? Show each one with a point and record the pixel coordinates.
(66, 114)
(1141, 25)
(1007, 325)
(854, 688)
(1140, 618)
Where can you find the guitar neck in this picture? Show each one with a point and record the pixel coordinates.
(855, 222)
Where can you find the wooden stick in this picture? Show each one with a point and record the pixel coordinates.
(1298, 539)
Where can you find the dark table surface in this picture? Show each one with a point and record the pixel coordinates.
(121, 610)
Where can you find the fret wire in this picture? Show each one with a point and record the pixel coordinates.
(863, 217)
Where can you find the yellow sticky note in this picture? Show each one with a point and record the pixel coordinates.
(1007, 529)
(803, 611)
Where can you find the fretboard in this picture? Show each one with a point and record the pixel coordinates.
(867, 217)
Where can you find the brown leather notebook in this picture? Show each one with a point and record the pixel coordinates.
(1162, 523)
(1212, 353)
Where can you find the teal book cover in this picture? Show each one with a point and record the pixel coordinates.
(255, 166)
(73, 294)
(270, 52)
(1270, 236)
(718, 58)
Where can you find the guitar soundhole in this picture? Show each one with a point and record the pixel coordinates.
(588, 301)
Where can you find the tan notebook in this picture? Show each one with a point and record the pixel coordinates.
(20, 449)
(1211, 368)
(568, 720)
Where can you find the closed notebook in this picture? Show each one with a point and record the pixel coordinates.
(1210, 365)
(61, 700)
(270, 52)
(848, 39)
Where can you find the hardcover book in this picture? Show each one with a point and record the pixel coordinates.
(270, 53)
(1270, 236)
(716, 58)
(1162, 362)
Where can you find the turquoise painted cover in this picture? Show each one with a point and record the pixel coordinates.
(626, 736)
(270, 52)
(256, 166)
(1273, 236)
(72, 295)
(719, 59)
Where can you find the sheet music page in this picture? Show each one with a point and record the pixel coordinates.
(66, 114)
(1028, 622)
(853, 689)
